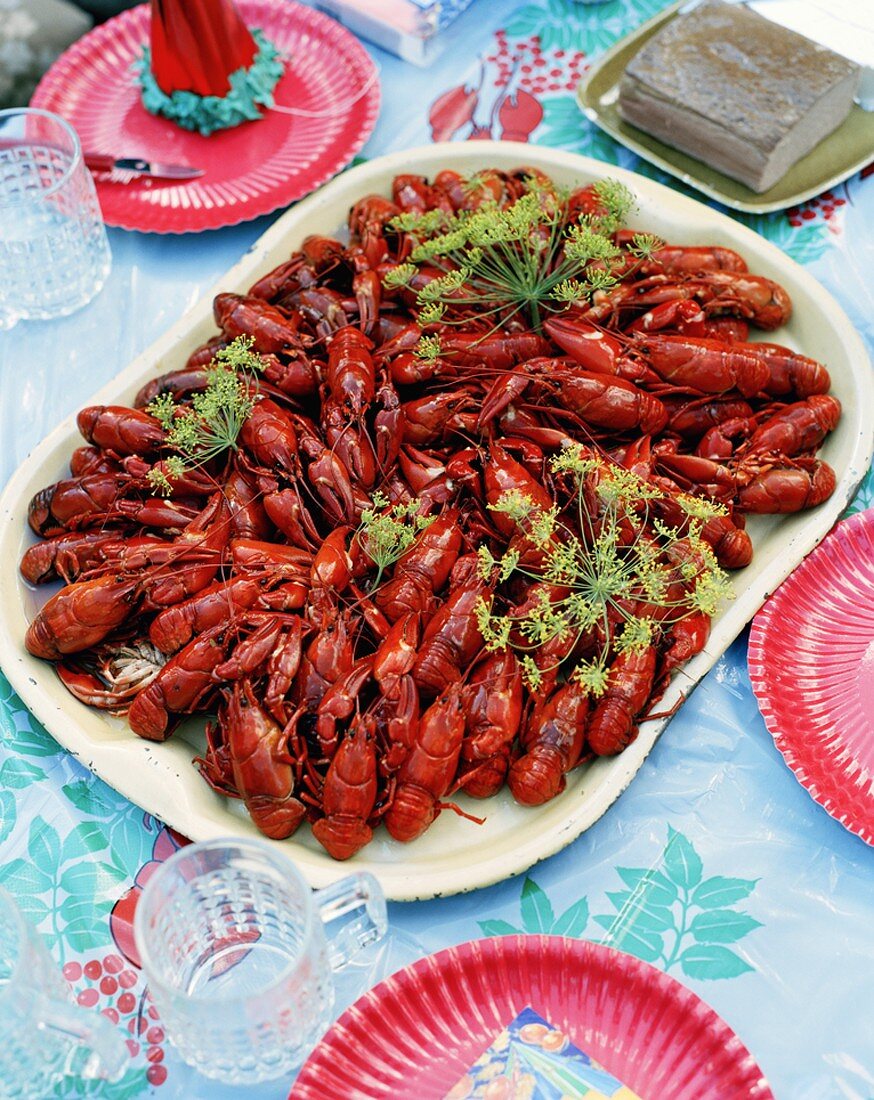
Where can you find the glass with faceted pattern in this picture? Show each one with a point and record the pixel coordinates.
(44, 1036)
(54, 254)
(239, 954)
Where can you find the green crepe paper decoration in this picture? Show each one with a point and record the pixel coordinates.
(206, 114)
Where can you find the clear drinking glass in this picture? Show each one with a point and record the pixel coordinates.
(234, 947)
(54, 255)
(44, 1036)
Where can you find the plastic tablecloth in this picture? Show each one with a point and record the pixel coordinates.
(786, 954)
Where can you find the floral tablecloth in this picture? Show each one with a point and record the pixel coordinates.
(760, 902)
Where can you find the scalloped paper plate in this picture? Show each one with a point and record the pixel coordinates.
(416, 1033)
(811, 659)
(251, 169)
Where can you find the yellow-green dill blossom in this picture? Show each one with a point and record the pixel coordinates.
(526, 256)
(387, 532)
(618, 579)
(210, 424)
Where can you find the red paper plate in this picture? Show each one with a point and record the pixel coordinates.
(811, 660)
(416, 1033)
(249, 170)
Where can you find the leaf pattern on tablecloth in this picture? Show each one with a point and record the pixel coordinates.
(563, 24)
(564, 126)
(66, 887)
(864, 498)
(673, 916)
(669, 914)
(537, 916)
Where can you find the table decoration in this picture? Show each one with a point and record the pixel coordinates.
(329, 100)
(420, 1029)
(204, 69)
(810, 666)
(460, 855)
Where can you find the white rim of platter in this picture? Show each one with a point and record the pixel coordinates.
(455, 855)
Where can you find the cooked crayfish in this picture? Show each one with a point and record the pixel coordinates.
(444, 548)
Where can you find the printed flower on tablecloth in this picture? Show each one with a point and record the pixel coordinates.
(827, 206)
(503, 101)
(532, 70)
(121, 919)
(529, 75)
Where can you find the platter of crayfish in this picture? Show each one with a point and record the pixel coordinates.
(504, 420)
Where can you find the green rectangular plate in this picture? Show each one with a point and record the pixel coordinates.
(837, 156)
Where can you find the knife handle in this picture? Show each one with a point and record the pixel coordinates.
(98, 162)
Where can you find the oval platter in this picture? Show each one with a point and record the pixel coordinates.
(454, 855)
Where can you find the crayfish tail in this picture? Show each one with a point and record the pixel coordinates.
(538, 776)
(342, 837)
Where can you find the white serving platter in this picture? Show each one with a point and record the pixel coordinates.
(455, 855)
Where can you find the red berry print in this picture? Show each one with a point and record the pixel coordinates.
(107, 985)
(112, 964)
(808, 215)
(840, 202)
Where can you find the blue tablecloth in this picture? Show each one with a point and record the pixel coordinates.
(784, 951)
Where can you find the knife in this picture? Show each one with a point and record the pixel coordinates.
(99, 162)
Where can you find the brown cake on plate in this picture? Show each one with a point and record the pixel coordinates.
(742, 94)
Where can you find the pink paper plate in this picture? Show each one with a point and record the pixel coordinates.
(249, 170)
(811, 661)
(416, 1033)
